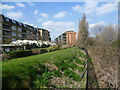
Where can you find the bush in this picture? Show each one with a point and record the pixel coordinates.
(43, 80)
(5, 56)
(57, 73)
(43, 50)
(20, 53)
(54, 48)
(66, 46)
(71, 74)
(35, 51)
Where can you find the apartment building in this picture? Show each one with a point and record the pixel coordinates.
(68, 37)
(44, 34)
(12, 30)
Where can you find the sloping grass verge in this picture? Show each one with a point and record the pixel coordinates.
(31, 72)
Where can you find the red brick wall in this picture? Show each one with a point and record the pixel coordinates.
(71, 38)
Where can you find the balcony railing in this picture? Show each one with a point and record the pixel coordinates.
(6, 35)
(6, 29)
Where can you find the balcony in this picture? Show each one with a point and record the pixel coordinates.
(6, 29)
(24, 32)
(6, 36)
(24, 36)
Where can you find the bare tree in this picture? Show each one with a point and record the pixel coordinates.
(83, 32)
(108, 35)
(96, 31)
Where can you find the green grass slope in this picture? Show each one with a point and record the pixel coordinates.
(58, 69)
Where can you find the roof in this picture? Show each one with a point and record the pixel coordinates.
(8, 20)
(43, 29)
(6, 45)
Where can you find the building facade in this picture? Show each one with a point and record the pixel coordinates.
(12, 30)
(44, 34)
(68, 37)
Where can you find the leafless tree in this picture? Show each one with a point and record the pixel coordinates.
(108, 35)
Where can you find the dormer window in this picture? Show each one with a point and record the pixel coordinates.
(24, 25)
(14, 21)
(20, 23)
(7, 19)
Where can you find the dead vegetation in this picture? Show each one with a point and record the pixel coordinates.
(105, 60)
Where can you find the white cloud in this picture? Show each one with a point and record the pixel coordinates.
(89, 7)
(36, 12)
(77, 8)
(40, 20)
(98, 23)
(44, 15)
(94, 7)
(58, 25)
(60, 14)
(6, 7)
(30, 3)
(20, 5)
(15, 15)
(57, 28)
(106, 8)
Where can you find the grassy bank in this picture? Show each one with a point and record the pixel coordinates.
(52, 69)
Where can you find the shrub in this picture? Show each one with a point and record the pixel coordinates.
(5, 56)
(35, 51)
(43, 80)
(54, 48)
(66, 46)
(62, 65)
(57, 73)
(20, 53)
(72, 75)
(43, 50)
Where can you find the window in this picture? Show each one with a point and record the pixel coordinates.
(24, 25)
(7, 19)
(19, 29)
(13, 28)
(19, 35)
(13, 34)
(14, 21)
(13, 39)
(20, 23)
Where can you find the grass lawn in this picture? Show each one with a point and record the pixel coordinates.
(38, 71)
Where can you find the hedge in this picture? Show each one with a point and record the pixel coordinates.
(20, 53)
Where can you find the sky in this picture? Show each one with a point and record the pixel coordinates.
(59, 17)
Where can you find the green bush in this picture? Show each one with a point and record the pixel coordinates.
(71, 74)
(20, 53)
(42, 80)
(54, 48)
(57, 73)
(62, 65)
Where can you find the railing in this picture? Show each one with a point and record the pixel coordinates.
(6, 29)
(89, 72)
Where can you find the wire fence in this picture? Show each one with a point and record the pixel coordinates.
(89, 72)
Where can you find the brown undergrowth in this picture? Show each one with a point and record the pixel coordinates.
(105, 61)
